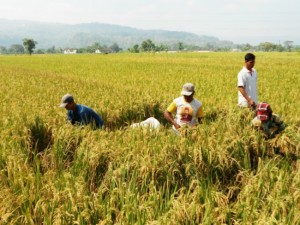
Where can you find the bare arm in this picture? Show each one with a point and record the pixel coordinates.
(169, 117)
(249, 100)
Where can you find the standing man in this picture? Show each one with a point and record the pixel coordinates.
(79, 113)
(247, 83)
(188, 110)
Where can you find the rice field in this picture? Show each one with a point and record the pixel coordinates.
(221, 172)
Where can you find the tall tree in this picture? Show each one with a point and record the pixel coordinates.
(247, 47)
(180, 46)
(148, 46)
(134, 49)
(29, 45)
(115, 47)
(161, 47)
(267, 46)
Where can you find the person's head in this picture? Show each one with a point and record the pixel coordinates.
(188, 91)
(67, 101)
(264, 112)
(249, 60)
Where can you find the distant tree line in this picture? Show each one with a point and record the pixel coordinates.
(287, 46)
(148, 45)
(29, 46)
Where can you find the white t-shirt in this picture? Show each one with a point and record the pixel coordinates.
(248, 80)
(187, 113)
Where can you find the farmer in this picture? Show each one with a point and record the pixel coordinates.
(266, 121)
(247, 83)
(80, 114)
(188, 110)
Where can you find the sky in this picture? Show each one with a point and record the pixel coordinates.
(240, 21)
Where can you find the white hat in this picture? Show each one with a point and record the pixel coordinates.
(188, 89)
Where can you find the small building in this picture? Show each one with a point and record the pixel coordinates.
(104, 51)
(236, 50)
(70, 51)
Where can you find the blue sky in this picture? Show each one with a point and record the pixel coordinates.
(240, 21)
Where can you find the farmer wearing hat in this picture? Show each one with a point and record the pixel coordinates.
(247, 83)
(80, 114)
(188, 110)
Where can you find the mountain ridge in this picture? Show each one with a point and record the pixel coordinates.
(85, 34)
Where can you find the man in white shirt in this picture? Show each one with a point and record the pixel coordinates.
(247, 83)
(188, 110)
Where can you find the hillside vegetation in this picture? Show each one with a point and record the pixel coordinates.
(221, 172)
(82, 35)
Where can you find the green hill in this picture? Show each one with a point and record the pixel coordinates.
(82, 35)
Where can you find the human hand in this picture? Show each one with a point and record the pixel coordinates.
(252, 104)
(177, 126)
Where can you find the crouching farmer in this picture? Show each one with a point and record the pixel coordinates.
(188, 110)
(80, 114)
(266, 121)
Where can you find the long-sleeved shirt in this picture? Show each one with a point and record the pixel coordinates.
(84, 115)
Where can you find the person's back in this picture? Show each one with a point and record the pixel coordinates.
(85, 115)
(80, 114)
